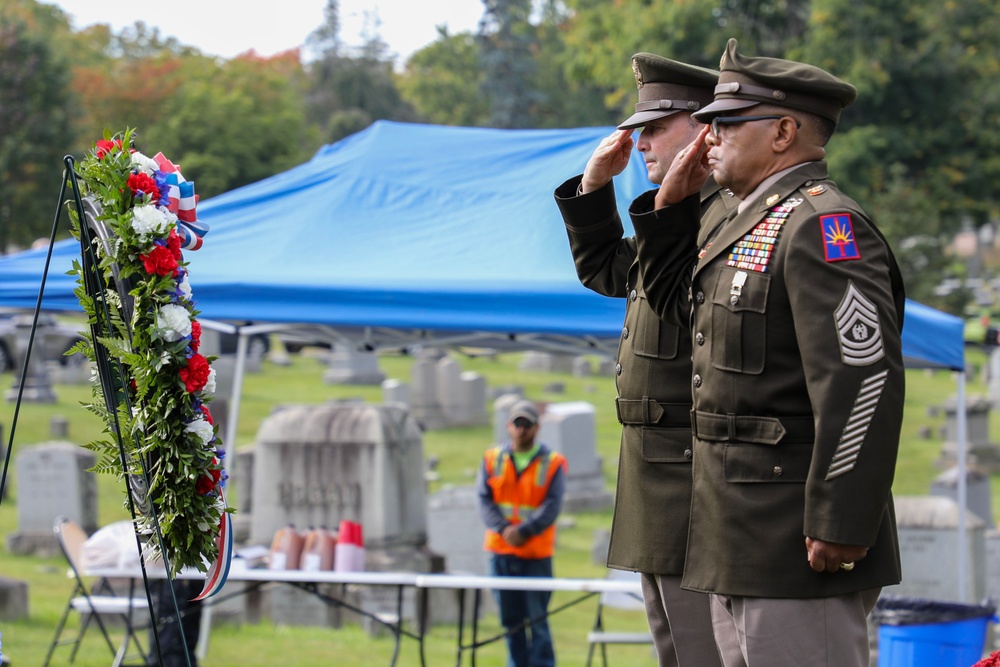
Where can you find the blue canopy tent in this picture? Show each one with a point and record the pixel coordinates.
(932, 339)
(407, 234)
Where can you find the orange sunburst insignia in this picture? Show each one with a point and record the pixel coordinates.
(839, 242)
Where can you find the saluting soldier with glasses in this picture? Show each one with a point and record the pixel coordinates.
(796, 306)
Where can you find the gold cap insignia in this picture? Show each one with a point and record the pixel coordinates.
(772, 200)
(638, 74)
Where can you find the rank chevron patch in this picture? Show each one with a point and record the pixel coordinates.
(858, 329)
(854, 433)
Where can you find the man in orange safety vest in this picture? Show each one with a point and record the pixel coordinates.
(520, 486)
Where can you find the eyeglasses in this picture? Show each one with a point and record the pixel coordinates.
(734, 120)
(521, 422)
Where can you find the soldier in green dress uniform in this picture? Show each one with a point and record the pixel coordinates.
(652, 498)
(796, 305)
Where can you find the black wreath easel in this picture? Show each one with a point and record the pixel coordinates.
(113, 379)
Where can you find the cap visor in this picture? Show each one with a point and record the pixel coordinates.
(641, 118)
(718, 107)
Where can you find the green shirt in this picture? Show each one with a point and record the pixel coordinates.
(522, 459)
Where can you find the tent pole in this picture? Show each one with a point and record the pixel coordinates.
(960, 426)
(242, 346)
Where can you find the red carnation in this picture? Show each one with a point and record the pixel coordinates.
(207, 483)
(195, 335)
(104, 147)
(195, 374)
(992, 660)
(159, 261)
(208, 415)
(174, 244)
(142, 183)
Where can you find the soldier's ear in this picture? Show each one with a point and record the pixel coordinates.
(787, 130)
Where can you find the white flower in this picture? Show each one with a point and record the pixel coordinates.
(185, 287)
(202, 429)
(151, 219)
(173, 322)
(209, 388)
(145, 164)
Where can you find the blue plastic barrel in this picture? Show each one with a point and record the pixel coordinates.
(915, 632)
(956, 644)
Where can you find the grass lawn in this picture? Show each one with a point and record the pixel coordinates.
(458, 452)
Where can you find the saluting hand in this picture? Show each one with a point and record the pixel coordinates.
(609, 159)
(831, 557)
(687, 174)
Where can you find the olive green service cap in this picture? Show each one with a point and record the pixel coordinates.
(745, 81)
(666, 87)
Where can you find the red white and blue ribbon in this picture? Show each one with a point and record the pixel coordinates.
(182, 203)
(219, 570)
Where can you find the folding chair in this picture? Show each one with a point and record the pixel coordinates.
(599, 636)
(91, 606)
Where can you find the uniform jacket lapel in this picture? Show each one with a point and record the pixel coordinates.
(742, 223)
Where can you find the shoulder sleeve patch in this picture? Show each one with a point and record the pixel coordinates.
(838, 237)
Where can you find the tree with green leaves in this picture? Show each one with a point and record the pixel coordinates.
(34, 130)
(348, 91)
(234, 122)
(442, 82)
(506, 41)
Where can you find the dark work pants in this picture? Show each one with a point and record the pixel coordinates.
(530, 646)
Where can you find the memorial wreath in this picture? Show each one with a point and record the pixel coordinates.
(161, 431)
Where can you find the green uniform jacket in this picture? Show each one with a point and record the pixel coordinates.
(797, 377)
(649, 529)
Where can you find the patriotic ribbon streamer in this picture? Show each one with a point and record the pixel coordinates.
(219, 570)
(182, 203)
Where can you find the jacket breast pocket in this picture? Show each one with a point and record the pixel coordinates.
(774, 464)
(654, 337)
(739, 321)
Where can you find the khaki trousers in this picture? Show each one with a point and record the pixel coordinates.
(782, 632)
(680, 622)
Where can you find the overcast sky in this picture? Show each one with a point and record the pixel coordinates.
(227, 27)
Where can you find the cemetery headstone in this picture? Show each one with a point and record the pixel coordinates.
(979, 449)
(977, 491)
(52, 481)
(348, 365)
(928, 543)
(547, 362)
(570, 428)
(37, 385)
(395, 392)
(315, 465)
(425, 403)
